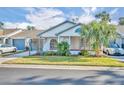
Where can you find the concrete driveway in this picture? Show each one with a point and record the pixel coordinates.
(120, 58)
(14, 56)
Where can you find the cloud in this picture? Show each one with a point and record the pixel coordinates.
(93, 9)
(87, 15)
(90, 10)
(10, 25)
(114, 22)
(114, 11)
(86, 19)
(45, 18)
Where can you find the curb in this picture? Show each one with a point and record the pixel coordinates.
(91, 68)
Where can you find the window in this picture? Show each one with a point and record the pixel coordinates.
(53, 44)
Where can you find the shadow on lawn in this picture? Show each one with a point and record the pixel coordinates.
(97, 78)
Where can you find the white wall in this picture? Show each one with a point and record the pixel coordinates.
(46, 44)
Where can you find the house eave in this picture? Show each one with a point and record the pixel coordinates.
(55, 27)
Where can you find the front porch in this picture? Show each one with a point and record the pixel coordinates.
(76, 44)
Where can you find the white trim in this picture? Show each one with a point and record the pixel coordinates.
(19, 38)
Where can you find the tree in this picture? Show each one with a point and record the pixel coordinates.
(30, 27)
(85, 34)
(1, 25)
(102, 33)
(121, 21)
(99, 33)
(104, 16)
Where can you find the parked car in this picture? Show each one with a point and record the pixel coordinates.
(4, 48)
(113, 49)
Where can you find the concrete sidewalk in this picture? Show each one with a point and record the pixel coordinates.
(63, 67)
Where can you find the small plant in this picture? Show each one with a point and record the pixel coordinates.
(63, 49)
(50, 53)
(84, 53)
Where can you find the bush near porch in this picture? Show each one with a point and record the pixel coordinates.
(67, 60)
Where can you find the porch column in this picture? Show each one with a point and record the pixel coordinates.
(39, 46)
(4, 41)
(58, 39)
(11, 42)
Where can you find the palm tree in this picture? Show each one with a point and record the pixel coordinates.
(85, 34)
(121, 21)
(104, 16)
(102, 33)
(99, 33)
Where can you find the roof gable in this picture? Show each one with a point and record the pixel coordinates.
(26, 34)
(67, 29)
(56, 29)
(73, 31)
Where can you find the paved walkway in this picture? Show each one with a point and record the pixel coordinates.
(23, 54)
(14, 56)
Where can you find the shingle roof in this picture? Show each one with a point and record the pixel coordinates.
(4, 32)
(27, 33)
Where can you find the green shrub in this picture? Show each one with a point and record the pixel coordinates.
(50, 53)
(63, 49)
(84, 53)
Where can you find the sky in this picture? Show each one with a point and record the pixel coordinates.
(44, 18)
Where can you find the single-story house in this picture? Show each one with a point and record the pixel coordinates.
(26, 38)
(65, 31)
(70, 32)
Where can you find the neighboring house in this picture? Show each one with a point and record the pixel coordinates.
(120, 38)
(27, 38)
(66, 31)
(5, 34)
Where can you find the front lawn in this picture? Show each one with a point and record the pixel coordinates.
(71, 60)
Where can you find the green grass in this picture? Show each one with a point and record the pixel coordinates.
(71, 60)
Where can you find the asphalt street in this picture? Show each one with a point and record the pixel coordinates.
(33, 76)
